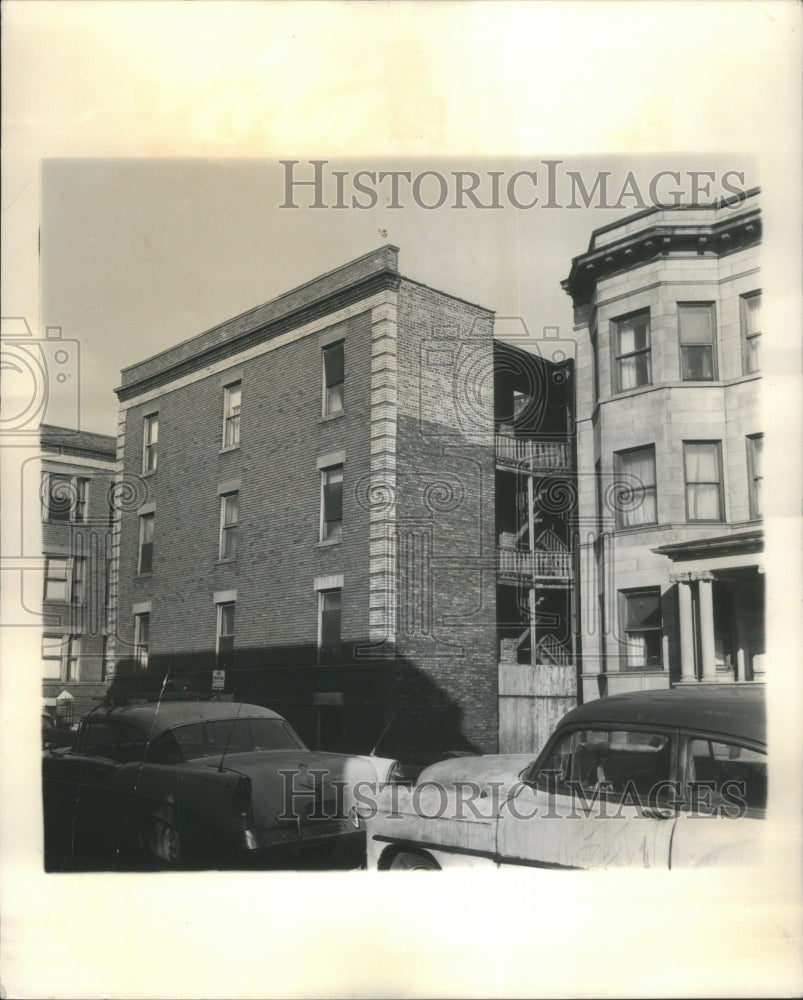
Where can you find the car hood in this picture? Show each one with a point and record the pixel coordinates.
(481, 770)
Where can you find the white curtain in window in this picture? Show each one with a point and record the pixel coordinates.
(638, 471)
(702, 475)
(628, 378)
(753, 314)
(636, 649)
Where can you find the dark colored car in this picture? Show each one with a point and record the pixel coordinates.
(209, 780)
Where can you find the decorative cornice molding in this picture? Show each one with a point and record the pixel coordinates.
(715, 239)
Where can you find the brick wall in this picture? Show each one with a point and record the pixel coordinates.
(445, 513)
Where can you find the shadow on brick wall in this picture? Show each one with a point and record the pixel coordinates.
(386, 706)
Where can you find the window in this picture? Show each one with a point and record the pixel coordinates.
(228, 526)
(333, 378)
(697, 332)
(61, 655)
(332, 503)
(225, 634)
(641, 624)
(145, 562)
(113, 740)
(232, 398)
(55, 578)
(595, 359)
(78, 581)
(751, 332)
(731, 771)
(755, 447)
(329, 649)
(631, 338)
(634, 496)
(620, 764)
(142, 628)
(150, 442)
(64, 497)
(51, 657)
(701, 460)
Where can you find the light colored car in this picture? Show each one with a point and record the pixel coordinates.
(659, 779)
(198, 779)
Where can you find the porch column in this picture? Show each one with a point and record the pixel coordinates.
(707, 645)
(686, 632)
(742, 649)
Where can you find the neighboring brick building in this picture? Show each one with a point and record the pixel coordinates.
(669, 439)
(77, 477)
(324, 512)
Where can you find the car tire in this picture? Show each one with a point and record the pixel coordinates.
(411, 862)
(164, 844)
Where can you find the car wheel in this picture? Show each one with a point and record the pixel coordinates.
(164, 843)
(410, 862)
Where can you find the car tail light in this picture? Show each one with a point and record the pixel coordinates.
(241, 800)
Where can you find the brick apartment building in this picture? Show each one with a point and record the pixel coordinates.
(667, 310)
(77, 502)
(346, 501)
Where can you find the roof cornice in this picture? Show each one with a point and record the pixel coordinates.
(714, 239)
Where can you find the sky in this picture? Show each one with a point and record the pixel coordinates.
(139, 254)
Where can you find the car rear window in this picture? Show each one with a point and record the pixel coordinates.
(731, 770)
(208, 739)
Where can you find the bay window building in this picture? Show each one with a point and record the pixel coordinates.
(667, 307)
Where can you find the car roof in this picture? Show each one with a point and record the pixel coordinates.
(729, 711)
(155, 718)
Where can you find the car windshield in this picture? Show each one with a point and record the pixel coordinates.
(208, 739)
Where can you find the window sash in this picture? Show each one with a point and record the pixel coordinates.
(751, 332)
(332, 503)
(232, 401)
(702, 464)
(640, 507)
(642, 625)
(146, 526)
(72, 659)
(142, 625)
(52, 655)
(697, 335)
(61, 657)
(229, 516)
(78, 580)
(333, 378)
(632, 351)
(755, 448)
(64, 497)
(329, 624)
(56, 578)
(225, 633)
(150, 443)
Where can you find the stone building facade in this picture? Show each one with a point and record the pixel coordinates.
(77, 502)
(317, 517)
(667, 307)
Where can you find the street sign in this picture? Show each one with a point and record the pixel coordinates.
(218, 680)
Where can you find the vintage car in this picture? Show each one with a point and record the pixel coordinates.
(653, 779)
(203, 779)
